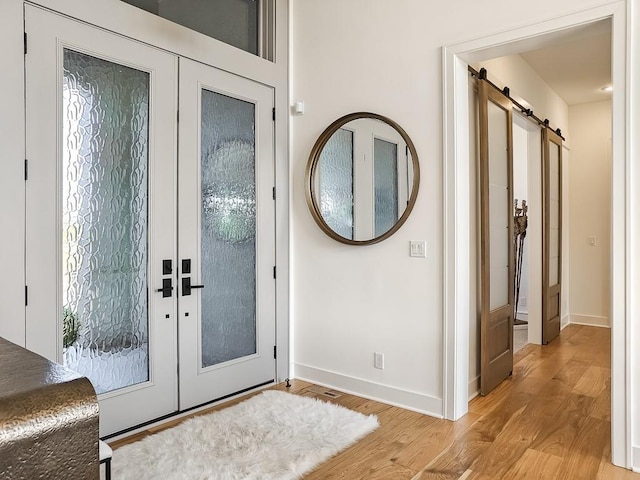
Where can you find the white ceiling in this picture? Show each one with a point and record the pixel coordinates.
(578, 66)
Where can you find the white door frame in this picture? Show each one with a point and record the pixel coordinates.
(457, 217)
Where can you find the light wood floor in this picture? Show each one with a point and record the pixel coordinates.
(551, 420)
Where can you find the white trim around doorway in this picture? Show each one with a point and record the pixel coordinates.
(456, 158)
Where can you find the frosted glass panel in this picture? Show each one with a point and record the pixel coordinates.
(554, 214)
(554, 211)
(499, 207)
(385, 168)
(498, 166)
(335, 177)
(231, 21)
(105, 117)
(228, 229)
(499, 253)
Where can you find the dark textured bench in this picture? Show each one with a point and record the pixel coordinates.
(48, 419)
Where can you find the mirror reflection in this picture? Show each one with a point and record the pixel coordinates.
(363, 178)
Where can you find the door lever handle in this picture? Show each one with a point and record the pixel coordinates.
(167, 288)
(187, 287)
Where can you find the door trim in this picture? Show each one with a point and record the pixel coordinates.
(457, 216)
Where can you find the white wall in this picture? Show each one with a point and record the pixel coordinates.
(525, 84)
(383, 57)
(590, 212)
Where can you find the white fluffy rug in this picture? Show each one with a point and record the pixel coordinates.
(273, 435)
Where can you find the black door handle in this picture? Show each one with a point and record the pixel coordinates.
(187, 287)
(167, 288)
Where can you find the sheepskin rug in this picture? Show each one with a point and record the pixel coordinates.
(273, 435)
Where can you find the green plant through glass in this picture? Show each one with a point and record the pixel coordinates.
(70, 327)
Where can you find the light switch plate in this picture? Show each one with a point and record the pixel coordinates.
(418, 248)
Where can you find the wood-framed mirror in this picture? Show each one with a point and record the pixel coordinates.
(362, 178)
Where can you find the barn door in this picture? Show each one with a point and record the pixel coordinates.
(496, 235)
(552, 240)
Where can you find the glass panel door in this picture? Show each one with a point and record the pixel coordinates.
(101, 207)
(227, 238)
(552, 239)
(496, 234)
(104, 221)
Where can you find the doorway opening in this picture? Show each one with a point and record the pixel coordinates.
(458, 212)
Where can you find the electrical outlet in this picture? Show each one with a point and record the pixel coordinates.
(378, 360)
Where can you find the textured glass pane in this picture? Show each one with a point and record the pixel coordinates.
(385, 167)
(105, 116)
(231, 21)
(335, 179)
(228, 229)
(499, 207)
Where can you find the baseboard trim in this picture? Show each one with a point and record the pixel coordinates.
(414, 401)
(635, 459)
(474, 388)
(565, 321)
(590, 320)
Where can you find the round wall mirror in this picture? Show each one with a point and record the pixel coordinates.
(362, 178)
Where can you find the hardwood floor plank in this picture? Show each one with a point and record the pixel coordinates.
(476, 440)
(609, 471)
(559, 433)
(534, 465)
(593, 382)
(510, 444)
(428, 443)
(572, 372)
(585, 452)
(602, 404)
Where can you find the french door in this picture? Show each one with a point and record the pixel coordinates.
(227, 241)
(117, 250)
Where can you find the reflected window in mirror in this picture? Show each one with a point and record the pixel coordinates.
(335, 181)
(362, 178)
(385, 168)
